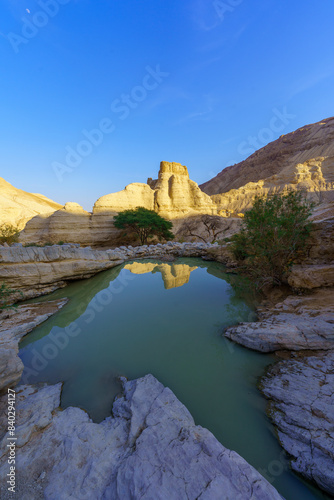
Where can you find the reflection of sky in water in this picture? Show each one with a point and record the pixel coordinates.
(165, 319)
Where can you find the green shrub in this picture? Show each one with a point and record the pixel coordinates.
(9, 234)
(273, 236)
(239, 244)
(5, 294)
(145, 224)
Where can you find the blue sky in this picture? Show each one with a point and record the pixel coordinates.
(199, 82)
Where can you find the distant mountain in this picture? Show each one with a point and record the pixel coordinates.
(303, 159)
(17, 206)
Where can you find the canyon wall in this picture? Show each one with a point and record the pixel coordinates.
(17, 206)
(301, 160)
(173, 195)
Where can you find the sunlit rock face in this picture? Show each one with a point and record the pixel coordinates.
(17, 206)
(301, 160)
(173, 275)
(172, 195)
(133, 196)
(176, 195)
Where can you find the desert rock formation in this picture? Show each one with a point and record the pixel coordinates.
(302, 160)
(297, 323)
(301, 406)
(172, 195)
(17, 206)
(149, 448)
(317, 268)
(14, 324)
(35, 271)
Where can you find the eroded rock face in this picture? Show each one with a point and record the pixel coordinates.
(17, 206)
(301, 160)
(70, 224)
(14, 324)
(35, 271)
(150, 448)
(134, 195)
(297, 323)
(316, 269)
(301, 394)
(172, 195)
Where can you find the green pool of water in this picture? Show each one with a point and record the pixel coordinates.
(166, 319)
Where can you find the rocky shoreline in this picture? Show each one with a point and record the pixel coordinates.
(301, 405)
(298, 323)
(149, 448)
(300, 390)
(36, 271)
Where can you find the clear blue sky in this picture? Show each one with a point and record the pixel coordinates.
(231, 69)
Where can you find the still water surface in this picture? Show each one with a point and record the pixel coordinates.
(166, 319)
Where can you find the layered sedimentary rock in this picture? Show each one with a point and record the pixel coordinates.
(302, 407)
(17, 206)
(316, 269)
(150, 448)
(14, 324)
(301, 160)
(70, 224)
(34, 271)
(134, 195)
(172, 195)
(297, 323)
(173, 275)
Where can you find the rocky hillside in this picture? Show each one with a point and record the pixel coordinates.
(172, 195)
(303, 159)
(17, 206)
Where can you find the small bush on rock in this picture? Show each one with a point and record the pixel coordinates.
(9, 234)
(273, 235)
(5, 294)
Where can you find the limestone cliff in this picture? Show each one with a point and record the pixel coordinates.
(134, 195)
(17, 206)
(172, 195)
(70, 224)
(302, 160)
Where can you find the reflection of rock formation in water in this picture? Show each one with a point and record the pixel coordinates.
(173, 275)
